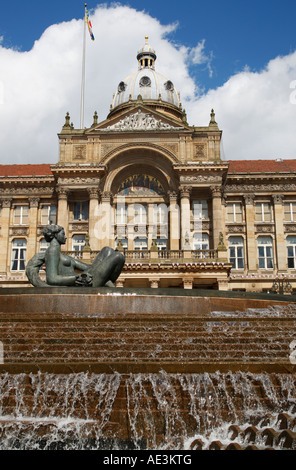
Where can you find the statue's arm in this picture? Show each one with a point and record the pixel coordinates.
(53, 277)
(79, 264)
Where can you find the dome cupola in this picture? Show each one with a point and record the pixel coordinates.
(148, 85)
(146, 56)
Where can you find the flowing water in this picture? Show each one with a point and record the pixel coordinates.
(151, 410)
(168, 411)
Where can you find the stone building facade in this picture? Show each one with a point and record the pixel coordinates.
(148, 183)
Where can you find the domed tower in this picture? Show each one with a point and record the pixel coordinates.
(148, 85)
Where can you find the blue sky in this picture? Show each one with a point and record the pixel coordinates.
(237, 33)
(238, 57)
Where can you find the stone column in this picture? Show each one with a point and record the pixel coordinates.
(185, 216)
(280, 241)
(174, 221)
(105, 224)
(63, 213)
(33, 222)
(152, 226)
(217, 223)
(4, 239)
(251, 247)
(93, 218)
(130, 226)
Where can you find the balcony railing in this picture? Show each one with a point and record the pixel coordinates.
(165, 255)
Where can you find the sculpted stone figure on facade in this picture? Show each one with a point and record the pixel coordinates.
(139, 121)
(61, 270)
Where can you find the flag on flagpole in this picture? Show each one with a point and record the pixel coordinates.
(89, 25)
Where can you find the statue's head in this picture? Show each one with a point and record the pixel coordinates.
(54, 231)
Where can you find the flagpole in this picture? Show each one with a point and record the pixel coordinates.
(83, 73)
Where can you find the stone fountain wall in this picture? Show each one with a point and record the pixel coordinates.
(140, 371)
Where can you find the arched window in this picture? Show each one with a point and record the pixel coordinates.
(291, 252)
(140, 243)
(18, 255)
(236, 252)
(265, 253)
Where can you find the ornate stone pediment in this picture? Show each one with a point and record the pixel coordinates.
(140, 121)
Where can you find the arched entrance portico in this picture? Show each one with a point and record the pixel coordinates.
(138, 189)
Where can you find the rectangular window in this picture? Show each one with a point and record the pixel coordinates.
(48, 215)
(18, 255)
(80, 210)
(265, 253)
(121, 214)
(161, 243)
(160, 214)
(21, 215)
(78, 242)
(140, 244)
(291, 252)
(234, 212)
(290, 211)
(236, 252)
(263, 212)
(200, 241)
(200, 209)
(140, 214)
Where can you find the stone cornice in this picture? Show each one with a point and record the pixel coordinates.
(209, 167)
(84, 170)
(262, 187)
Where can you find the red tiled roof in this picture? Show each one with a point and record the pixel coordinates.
(259, 166)
(25, 170)
(235, 166)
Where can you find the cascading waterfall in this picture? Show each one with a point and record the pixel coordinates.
(168, 411)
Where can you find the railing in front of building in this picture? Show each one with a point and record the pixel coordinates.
(169, 255)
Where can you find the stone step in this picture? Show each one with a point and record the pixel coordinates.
(141, 356)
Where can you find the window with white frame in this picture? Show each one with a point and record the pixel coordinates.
(161, 243)
(18, 254)
(160, 214)
(140, 244)
(124, 243)
(265, 252)
(48, 215)
(140, 214)
(200, 209)
(121, 214)
(80, 210)
(21, 215)
(234, 212)
(200, 241)
(263, 212)
(236, 252)
(290, 211)
(291, 252)
(78, 242)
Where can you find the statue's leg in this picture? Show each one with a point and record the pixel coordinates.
(106, 267)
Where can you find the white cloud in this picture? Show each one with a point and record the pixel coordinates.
(40, 86)
(255, 111)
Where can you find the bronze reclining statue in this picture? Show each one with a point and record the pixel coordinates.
(61, 269)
